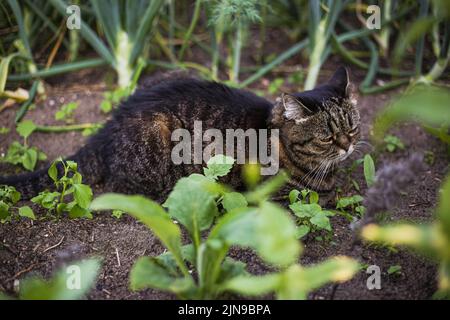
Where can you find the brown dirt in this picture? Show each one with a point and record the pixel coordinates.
(23, 243)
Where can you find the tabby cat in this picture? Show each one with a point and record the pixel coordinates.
(132, 152)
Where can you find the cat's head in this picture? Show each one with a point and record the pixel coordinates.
(319, 124)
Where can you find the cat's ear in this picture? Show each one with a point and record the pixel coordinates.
(294, 109)
(341, 81)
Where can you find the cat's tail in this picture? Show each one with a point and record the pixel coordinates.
(30, 184)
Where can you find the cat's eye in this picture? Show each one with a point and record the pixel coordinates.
(353, 131)
(327, 140)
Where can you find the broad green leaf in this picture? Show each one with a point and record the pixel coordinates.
(268, 230)
(302, 231)
(53, 172)
(25, 128)
(237, 228)
(296, 282)
(253, 285)
(293, 196)
(72, 165)
(46, 199)
(313, 197)
(277, 236)
(4, 210)
(26, 211)
(82, 194)
(321, 220)
(71, 282)
(192, 204)
(148, 273)
(410, 107)
(148, 212)
(76, 211)
(218, 166)
(233, 200)
(29, 159)
(348, 201)
(369, 170)
(303, 210)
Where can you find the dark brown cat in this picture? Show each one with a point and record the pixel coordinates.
(132, 152)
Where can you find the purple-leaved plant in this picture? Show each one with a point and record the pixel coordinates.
(390, 181)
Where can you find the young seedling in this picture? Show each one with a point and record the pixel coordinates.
(9, 197)
(310, 215)
(113, 98)
(395, 270)
(201, 269)
(351, 206)
(65, 113)
(23, 154)
(393, 143)
(69, 184)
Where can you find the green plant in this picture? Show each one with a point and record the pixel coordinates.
(231, 16)
(353, 203)
(201, 269)
(66, 111)
(4, 130)
(393, 143)
(320, 32)
(113, 98)
(23, 154)
(69, 184)
(395, 270)
(69, 283)
(310, 215)
(126, 27)
(9, 197)
(369, 170)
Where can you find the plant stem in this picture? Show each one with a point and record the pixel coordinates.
(188, 34)
(73, 127)
(24, 107)
(237, 53)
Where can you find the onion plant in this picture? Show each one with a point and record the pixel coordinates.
(320, 31)
(126, 25)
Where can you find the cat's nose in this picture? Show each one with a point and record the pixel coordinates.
(343, 142)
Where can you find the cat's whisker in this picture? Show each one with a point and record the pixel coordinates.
(317, 173)
(364, 143)
(310, 173)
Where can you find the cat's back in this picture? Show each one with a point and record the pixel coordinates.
(196, 99)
